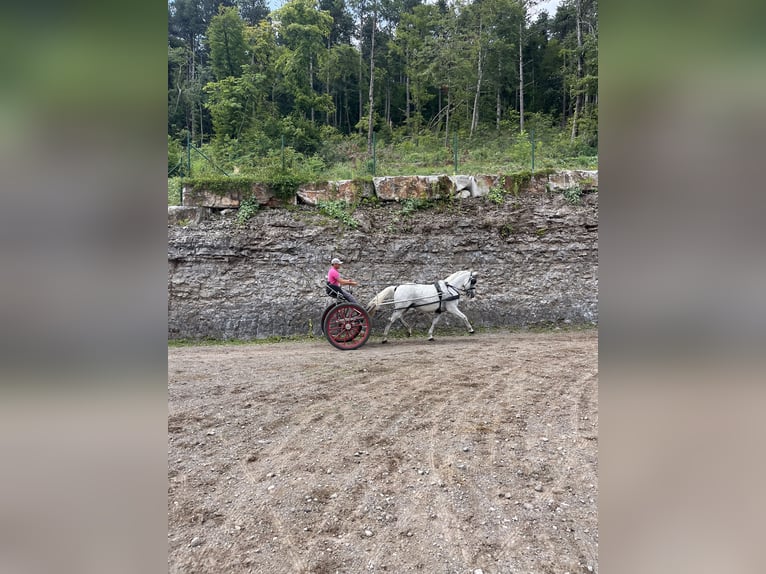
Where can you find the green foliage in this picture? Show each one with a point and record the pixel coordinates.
(226, 38)
(573, 195)
(338, 210)
(412, 204)
(248, 207)
(175, 186)
(506, 230)
(242, 85)
(284, 184)
(519, 180)
(497, 193)
(220, 185)
(175, 156)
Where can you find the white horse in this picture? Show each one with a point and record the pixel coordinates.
(439, 297)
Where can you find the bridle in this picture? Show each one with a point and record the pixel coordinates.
(469, 291)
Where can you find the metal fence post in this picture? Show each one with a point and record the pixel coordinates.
(374, 158)
(532, 141)
(454, 146)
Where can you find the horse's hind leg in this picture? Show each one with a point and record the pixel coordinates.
(396, 315)
(433, 324)
(406, 325)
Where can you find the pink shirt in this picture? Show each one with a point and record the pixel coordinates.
(332, 276)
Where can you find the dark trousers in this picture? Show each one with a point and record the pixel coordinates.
(349, 296)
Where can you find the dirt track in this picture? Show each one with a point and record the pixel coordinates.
(469, 453)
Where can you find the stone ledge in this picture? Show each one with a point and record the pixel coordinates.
(185, 215)
(398, 188)
(587, 180)
(233, 198)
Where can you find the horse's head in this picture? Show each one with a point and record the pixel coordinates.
(470, 290)
(464, 281)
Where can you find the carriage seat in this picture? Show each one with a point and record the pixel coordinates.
(333, 290)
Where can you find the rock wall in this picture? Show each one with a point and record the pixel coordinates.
(536, 255)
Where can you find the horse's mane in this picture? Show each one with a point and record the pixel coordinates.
(457, 274)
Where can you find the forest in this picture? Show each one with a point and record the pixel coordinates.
(348, 88)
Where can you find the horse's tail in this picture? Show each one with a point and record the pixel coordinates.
(379, 299)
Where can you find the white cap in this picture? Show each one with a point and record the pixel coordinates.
(336, 261)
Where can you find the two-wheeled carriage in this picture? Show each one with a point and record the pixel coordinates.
(347, 325)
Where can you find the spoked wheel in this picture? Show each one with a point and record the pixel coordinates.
(346, 326)
(327, 310)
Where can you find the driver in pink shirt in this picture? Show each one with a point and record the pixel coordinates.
(334, 278)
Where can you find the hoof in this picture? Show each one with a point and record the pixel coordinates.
(384, 341)
(431, 339)
(471, 332)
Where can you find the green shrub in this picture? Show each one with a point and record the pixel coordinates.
(221, 184)
(248, 207)
(338, 210)
(412, 204)
(284, 184)
(174, 190)
(573, 195)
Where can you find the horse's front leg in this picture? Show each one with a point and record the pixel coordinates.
(433, 324)
(458, 313)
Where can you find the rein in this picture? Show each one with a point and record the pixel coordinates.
(439, 293)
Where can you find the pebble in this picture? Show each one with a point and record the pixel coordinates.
(196, 541)
(368, 533)
(478, 571)
(539, 487)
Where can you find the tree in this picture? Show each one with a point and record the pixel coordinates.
(502, 45)
(253, 11)
(342, 75)
(303, 31)
(416, 37)
(342, 21)
(371, 104)
(226, 38)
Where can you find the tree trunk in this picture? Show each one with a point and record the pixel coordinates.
(446, 125)
(498, 109)
(439, 114)
(201, 125)
(361, 75)
(475, 114)
(563, 93)
(407, 104)
(311, 84)
(370, 122)
(334, 99)
(521, 81)
(578, 91)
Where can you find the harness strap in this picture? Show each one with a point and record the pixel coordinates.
(453, 291)
(439, 293)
